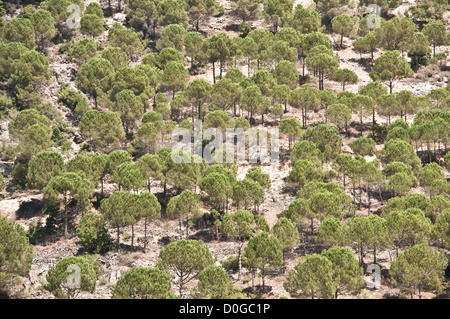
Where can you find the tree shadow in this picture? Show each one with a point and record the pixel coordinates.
(366, 63)
(259, 291)
(233, 27)
(205, 235)
(4, 294)
(30, 209)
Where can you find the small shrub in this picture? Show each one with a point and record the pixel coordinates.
(93, 234)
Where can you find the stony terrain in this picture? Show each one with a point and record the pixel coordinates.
(163, 231)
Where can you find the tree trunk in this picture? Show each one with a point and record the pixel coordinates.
(145, 232)
(239, 262)
(65, 216)
(181, 284)
(117, 239)
(262, 275)
(132, 237)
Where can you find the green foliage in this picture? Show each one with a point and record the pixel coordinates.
(429, 174)
(311, 278)
(35, 139)
(199, 10)
(345, 76)
(441, 228)
(183, 206)
(247, 9)
(389, 67)
(420, 51)
(286, 73)
(256, 174)
(90, 77)
(408, 227)
(247, 192)
(73, 100)
(263, 252)
(37, 232)
(129, 41)
(83, 50)
(347, 275)
(396, 33)
(115, 56)
(93, 234)
(171, 12)
(241, 225)
(252, 101)
(230, 264)
(218, 186)
(91, 24)
(290, 127)
(304, 20)
(142, 15)
(287, 233)
(186, 259)
(175, 77)
(144, 283)
(119, 211)
(173, 36)
(94, 8)
(103, 130)
(214, 283)
(401, 183)
(23, 67)
(58, 9)
(397, 150)
(69, 186)
(419, 268)
(303, 172)
(129, 107)
(331, 232)
(15, 251)
(43, 167)
(327, 139)
(44, 26)
(94, 166)
(70, 276)
(277, 12)
(19, 30)
(342, 25)
(369, 232)
(339, 114)
(437, 34)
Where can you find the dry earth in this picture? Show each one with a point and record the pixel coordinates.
(164, 230)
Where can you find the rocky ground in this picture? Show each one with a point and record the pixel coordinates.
(164, 231)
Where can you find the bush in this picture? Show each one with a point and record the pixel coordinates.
(73, 100)
(93, 234)
(19, 175)
(231, 263)
(58, 277)
(7, 152)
